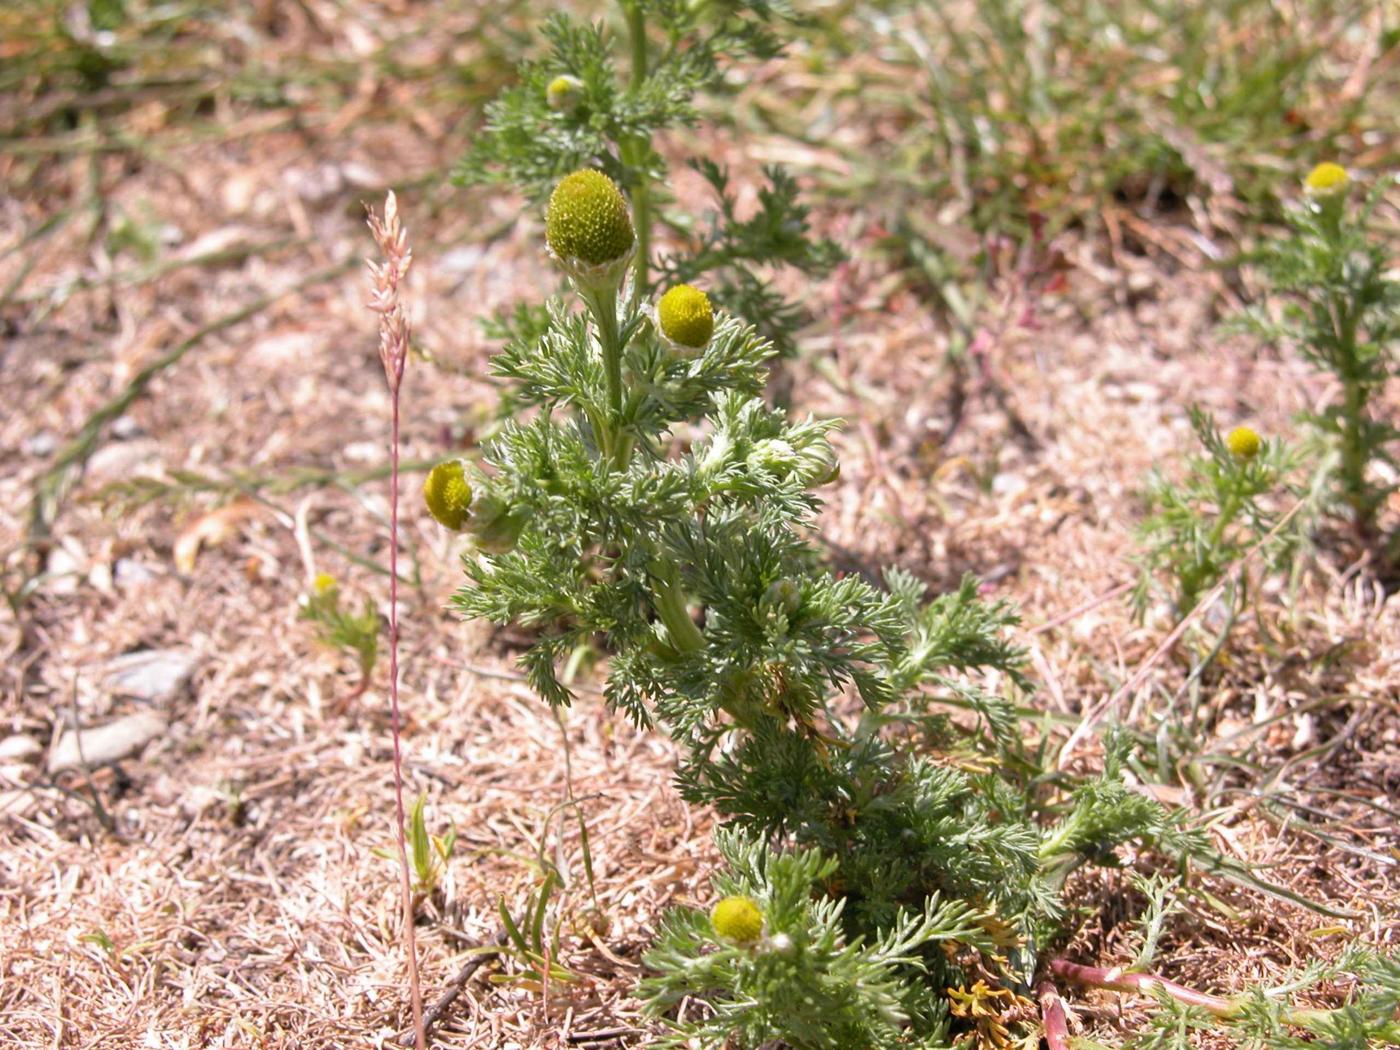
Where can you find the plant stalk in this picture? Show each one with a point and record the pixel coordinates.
(1354, 395)
(410, 938)
(394, 340)
(1119, 980)
(670, 606)
(603, 306)
(1052, 1010)
(634, 150)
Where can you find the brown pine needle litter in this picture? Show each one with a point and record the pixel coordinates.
(238, 900)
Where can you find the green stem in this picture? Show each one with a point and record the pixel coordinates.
(1345, 317)
(602, 305)
(669, 602)
(634, 150)
(1353, 456)
(1228, 511)
(1353, 416)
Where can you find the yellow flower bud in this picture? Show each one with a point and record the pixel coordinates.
(773, 455)
(447, 494)
(588, 229)
(1243, 443)
(323, 583)
(564, 93)
(686, 317)
(737, 919)
(1326, 180)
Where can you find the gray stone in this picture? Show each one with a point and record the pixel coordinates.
(41, 444)
(19, 747)
(107, 743)
(131, 573)
(122, 460)
(156, 675)
(124, 428)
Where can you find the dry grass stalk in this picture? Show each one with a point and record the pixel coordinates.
(394, 331)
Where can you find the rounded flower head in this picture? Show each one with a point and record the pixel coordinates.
(773, 455)
(564, 93)
(737, 919)
(447, 494)
(1243, 443)
(686, 317)
(588, 229)
(324, 583)
(1326, 179)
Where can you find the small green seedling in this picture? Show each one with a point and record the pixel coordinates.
(1198, 527)
(535, 948)
(356, 634)
(428, 853)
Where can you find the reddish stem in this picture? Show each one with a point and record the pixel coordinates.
(410, 939)
(1052, 1009)
(1119, 980)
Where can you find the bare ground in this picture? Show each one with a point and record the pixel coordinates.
(237, 900)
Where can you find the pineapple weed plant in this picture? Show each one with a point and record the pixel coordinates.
(873, 876)
(1199, 527)
(892, 876)
(1340, 307)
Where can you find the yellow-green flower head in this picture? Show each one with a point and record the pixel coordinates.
(1243, 443)
(686, 317)
(323, 583)
(564, 93)
(1326, 180)
(589, 230)
(447, 494)
(737, 919)
(773, 455)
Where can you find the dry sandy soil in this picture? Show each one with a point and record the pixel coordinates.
(236, 898)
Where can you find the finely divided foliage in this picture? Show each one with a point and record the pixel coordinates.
(1339, 304)
(1228, 502)
(670, 525)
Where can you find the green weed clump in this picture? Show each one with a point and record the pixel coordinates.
(1339, 305)
(1076, 110)
(1224, 506)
